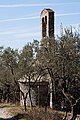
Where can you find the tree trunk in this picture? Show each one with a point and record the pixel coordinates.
(51, 95)
(25, 103)
(73, 113)
(30, 94)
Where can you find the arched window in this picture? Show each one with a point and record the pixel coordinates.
(45, 19)
(42, 20)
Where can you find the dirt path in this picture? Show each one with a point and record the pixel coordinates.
(4, 113)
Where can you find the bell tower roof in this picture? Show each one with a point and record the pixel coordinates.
(47, 10)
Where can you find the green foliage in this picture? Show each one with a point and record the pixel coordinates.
(53, 59)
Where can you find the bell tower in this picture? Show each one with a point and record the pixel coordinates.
(47, 23)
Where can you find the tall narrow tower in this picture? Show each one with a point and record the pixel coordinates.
(47, 23)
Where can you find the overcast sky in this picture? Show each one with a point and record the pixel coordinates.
(20, 19)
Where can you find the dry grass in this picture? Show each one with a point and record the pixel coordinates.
(34, 114)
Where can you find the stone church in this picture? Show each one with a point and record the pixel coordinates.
(39, 91)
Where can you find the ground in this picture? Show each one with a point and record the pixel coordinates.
(15, 112)
(4, 113)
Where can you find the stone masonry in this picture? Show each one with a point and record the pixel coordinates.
(47, 23)
(39, 92)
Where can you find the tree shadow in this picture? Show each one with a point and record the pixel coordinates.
(6, 106)
(13, 118)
